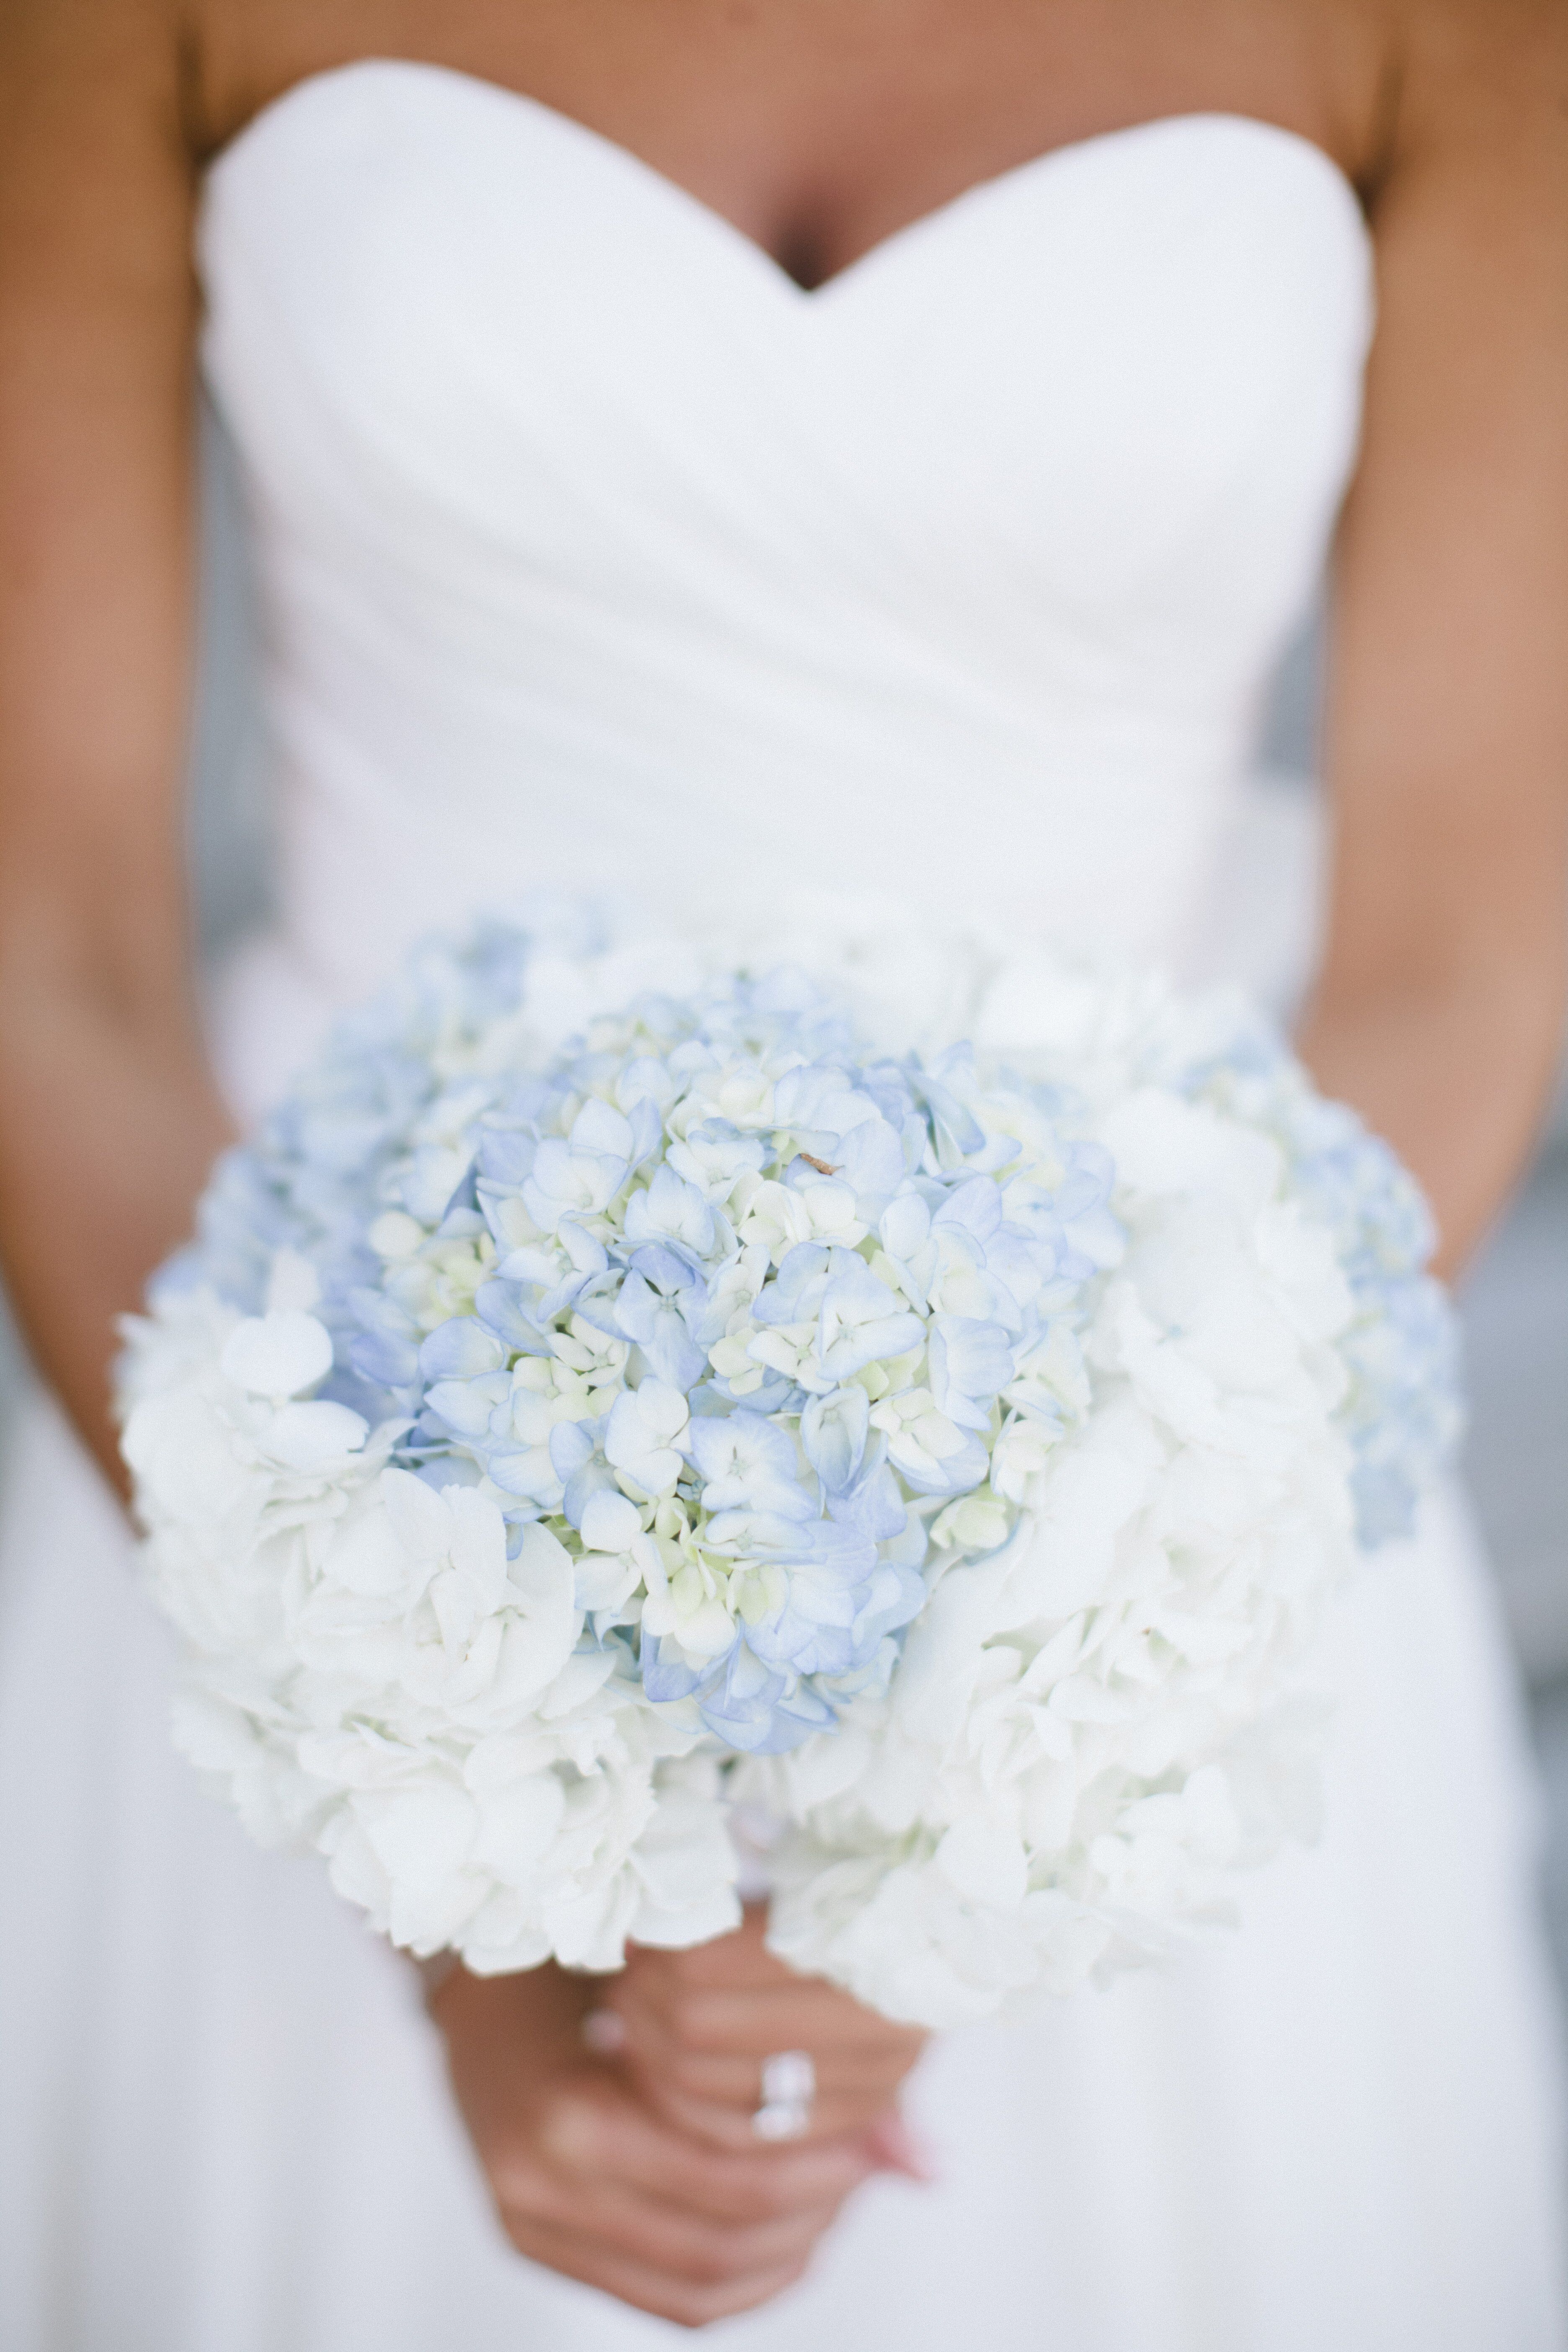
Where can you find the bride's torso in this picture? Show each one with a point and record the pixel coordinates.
(599, 557)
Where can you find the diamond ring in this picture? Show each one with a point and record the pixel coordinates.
(789, 2086)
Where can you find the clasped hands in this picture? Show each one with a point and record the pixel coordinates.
(633, 2164)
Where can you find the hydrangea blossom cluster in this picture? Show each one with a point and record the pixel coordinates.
(565, 1430)
(742, 1316)
(310, 1179)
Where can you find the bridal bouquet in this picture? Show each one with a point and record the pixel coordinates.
(613, 1398)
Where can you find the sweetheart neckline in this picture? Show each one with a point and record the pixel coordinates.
(717, 224)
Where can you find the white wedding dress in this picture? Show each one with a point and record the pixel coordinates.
(597, 557)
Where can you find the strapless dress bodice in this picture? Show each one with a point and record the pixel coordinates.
(597, 557)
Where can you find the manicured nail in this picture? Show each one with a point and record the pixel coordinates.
(603, 2031)
(900, 2149)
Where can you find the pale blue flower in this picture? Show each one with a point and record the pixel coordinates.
(833, 1433)
(971, 1363)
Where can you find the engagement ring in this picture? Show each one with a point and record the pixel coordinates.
(789, 2086)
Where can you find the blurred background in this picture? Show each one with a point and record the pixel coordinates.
(1515, 1299)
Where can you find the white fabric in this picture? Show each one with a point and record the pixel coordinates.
(598, 557)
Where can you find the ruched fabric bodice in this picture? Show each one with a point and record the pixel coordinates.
(597, 557)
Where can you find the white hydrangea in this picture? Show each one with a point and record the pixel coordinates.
(1068, 1766)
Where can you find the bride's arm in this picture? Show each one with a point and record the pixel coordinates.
(110, 1117)
(1438, 1011)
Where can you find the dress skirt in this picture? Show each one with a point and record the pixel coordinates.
(224, 2126)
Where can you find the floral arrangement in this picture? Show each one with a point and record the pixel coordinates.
(588, 1412)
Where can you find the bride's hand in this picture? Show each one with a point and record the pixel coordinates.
(694, 2029)
(590, 2181)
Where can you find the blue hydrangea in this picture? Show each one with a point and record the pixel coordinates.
(310, 1179)
(737, 1310)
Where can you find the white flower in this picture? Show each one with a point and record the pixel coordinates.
(646, 1426)
(777, 1216)
(277, 1355)
(580, 1175)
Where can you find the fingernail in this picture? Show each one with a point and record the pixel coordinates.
(604, 2032)
(898, 2149)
